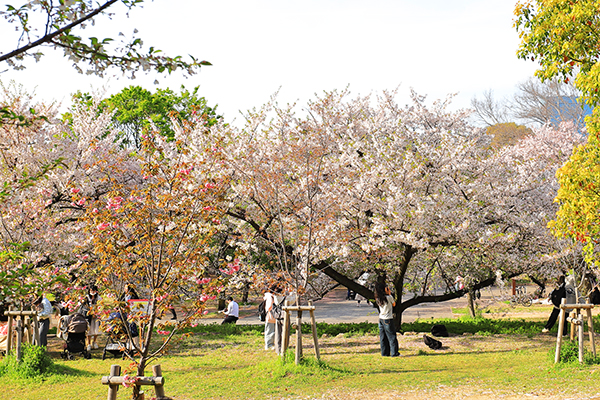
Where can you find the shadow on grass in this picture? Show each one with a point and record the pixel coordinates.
(62, 369)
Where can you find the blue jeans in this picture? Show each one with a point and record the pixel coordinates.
(387, 338)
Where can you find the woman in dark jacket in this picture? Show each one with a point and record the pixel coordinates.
(555, 297)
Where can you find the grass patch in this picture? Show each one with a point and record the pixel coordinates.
(500, 359)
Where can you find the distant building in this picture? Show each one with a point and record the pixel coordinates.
(567, 108)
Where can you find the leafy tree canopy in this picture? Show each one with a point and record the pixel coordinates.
(136, 109)
(507, 133)
(562, 35)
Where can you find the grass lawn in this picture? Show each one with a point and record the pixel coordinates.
(230, 363)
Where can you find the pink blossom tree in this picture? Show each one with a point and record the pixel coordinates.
(155, 232)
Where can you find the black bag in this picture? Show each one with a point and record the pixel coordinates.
(262, 313)
(432, 343)
(595, 296)
(439, 330)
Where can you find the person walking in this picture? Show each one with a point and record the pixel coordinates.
(232, 313)
(387, 330)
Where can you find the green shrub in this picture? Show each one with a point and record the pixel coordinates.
(35, 361)
(569, 354)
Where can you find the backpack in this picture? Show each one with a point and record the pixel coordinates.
(277, 310)
(432, 343)
(77, 323)
(262, 313)
(439, 330)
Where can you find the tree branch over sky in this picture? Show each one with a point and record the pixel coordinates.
(53, 24)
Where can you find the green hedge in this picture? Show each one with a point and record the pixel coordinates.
(482, 326)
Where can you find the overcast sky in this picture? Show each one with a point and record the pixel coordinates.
(303, 47)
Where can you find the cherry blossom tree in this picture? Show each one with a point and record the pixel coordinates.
(413, 195)
(38, 217)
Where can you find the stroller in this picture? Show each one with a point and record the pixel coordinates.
(72, 328)
(118, 342)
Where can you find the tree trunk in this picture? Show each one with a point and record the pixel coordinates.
(398, 288)
(245, 293)
(137, 388)
(471, 303)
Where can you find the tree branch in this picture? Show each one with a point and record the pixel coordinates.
(48, 38)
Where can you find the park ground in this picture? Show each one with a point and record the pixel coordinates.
(207, 365)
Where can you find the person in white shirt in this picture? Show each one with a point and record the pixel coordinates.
(44, 312)
(270, 321)
(387, 330)
(232, 313)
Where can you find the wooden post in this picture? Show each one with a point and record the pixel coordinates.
(19, 338)
(313, 324)
(10, 331)
(115, 370)
(298, 337)
(561, 326)
(590, 322)
(576, 321)
(571, 329)
(27, 332)
(115, 380)
(158, 389)
(580, 334)
(286, 330)
(36, 329)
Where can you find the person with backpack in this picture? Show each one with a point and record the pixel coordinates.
(387, 330)
(274, 319)
(556, 297)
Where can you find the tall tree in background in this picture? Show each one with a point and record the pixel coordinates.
(535, 103)
(506, 133)
(41, 218)
(562, 37)
(136, 109)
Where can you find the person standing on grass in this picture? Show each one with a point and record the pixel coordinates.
(556, 297)
(92, 298)
(269, 298)
(387, 330)
(232, 313)
(44, 312)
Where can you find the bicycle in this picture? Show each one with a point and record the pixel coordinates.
(521, 297)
